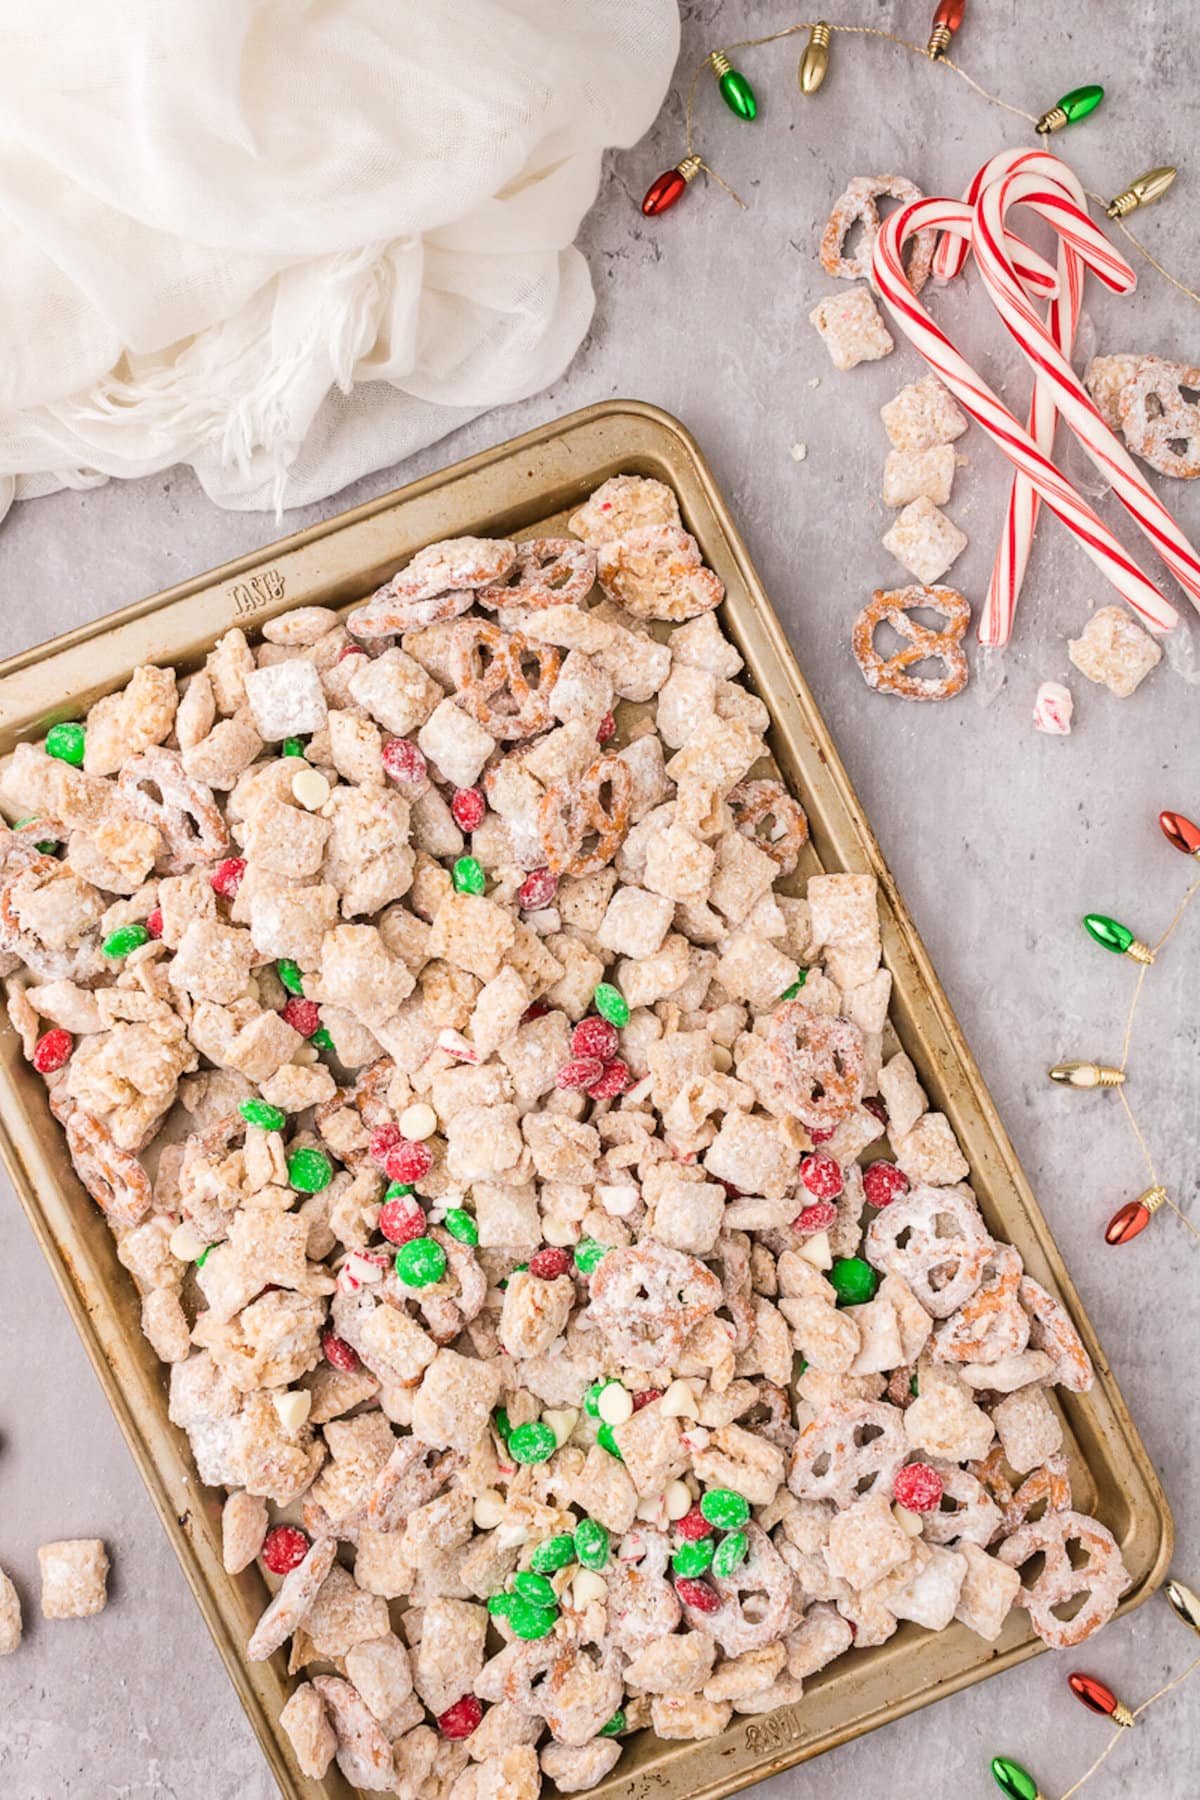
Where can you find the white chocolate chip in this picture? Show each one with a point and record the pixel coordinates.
(511, 1537)
(562, 1422)
(910, 1522)
(651, 1511)
(679, 1402)
(559, 1232)
(488, 1509)
(418, 1122)
(310, 789)
(305, 1054)
(185, 1244)
(677, 1499)
(722, 1058)
(293, 1408)
(615, 1404)
(588, 1587)
(815, 1250)
(618, 1202)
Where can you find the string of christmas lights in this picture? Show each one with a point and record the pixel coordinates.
(1018, 1784)
(736, 91)
(1130, 1220)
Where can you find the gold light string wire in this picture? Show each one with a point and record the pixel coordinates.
(1133, 1006)
(1136, 1712)
(943, 62)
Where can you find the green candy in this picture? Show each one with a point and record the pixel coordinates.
(912, 1388)
(309, 1170)
(293, 746)
(591, 1400)
(47, 846)
(611, 1004)
(589, 1255)
(606, 1441)
(591, 1543)
(396, 1190)
(534, 1588)
(125, 940)
(262, 1113)
(65, 742)
(528, 1621)
(321, 1038)
(730, 1554)
(724, 1509)
(203, 1256)
(420, 1262)
(554, 1554)
(693, 1558)
(791, 992)
(289, 973)
(468, 876)
(502, 1422)
(854, 1280)
(462, 1226)
(615, 1724)
(499, 1604)
(532, 1443)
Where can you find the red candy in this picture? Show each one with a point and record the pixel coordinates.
(605, 728)
(614, 1081)
(874, 1105)
(537, 890)
(302, 1015)
(338, 1353)
(401, 1220)
(154, 922)
(595, 1037)
(226, 878)
(468, 807)
(537, 1010)
(351, 650)
(461, 1719)
(883, 1182)
(693, 1526)
(647, 1397)
(817, 1217)
(822, 1177)
(52, 1050)
(284, 1549)
(821, 1134)
(584, 1072)
(550, 1263)
(409, 1161)
(404, 761)
(698, 1594)
(918, 1488)
(383, 1141)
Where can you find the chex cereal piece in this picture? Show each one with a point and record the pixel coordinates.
(852, 329)
(922, 415)
(1113, 651)
(624, 503)
(10, 1616)
(74, 1578)
(925, 541)
(910, 474)
(286, 699)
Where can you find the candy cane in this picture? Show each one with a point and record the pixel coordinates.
(1038, 345)
(985, 406)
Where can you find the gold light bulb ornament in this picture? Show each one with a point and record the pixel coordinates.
(814, 64)
(1086, 1075)
(1184, 1602)
(1143, 192)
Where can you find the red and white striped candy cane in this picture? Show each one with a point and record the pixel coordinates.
(1038, 345)
(1094, 536)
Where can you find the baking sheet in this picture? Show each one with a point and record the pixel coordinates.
(525, 487)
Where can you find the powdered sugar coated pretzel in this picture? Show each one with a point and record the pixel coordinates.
(1051, 1330)
(489, 669)
(968, 1510)
(819, 1062)
(992, 1323)
(655, 572)
(890, 675)
(857, 207)
(851, 1448)
(547, 572)
(756, 1600)
(113, 1177)
(1103, 1578)
(945, 1250)
(1159, 425)
(647, 1298)
(569, 817)
(582, 1690)
(642, 1604)
(156, 787)
(754, 804)
(1048, 1486)
(388, 613)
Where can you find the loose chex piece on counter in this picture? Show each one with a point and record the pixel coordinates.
(852, 328)
(484, 1130)
(1113, 651)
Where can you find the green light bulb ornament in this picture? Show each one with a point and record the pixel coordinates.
(1116, 937)
(736, 91)
(1014, 1781)
(1071, 108)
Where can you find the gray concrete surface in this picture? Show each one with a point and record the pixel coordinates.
(1000, 839)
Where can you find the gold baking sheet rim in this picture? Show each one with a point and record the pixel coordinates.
(516, 487)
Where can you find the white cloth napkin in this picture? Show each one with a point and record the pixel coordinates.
(292, 241)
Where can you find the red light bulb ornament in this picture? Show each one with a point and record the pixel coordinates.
(1180, 832)
(946, 21)
(1132, 1218)
(670, 186)
(1099, 1699)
